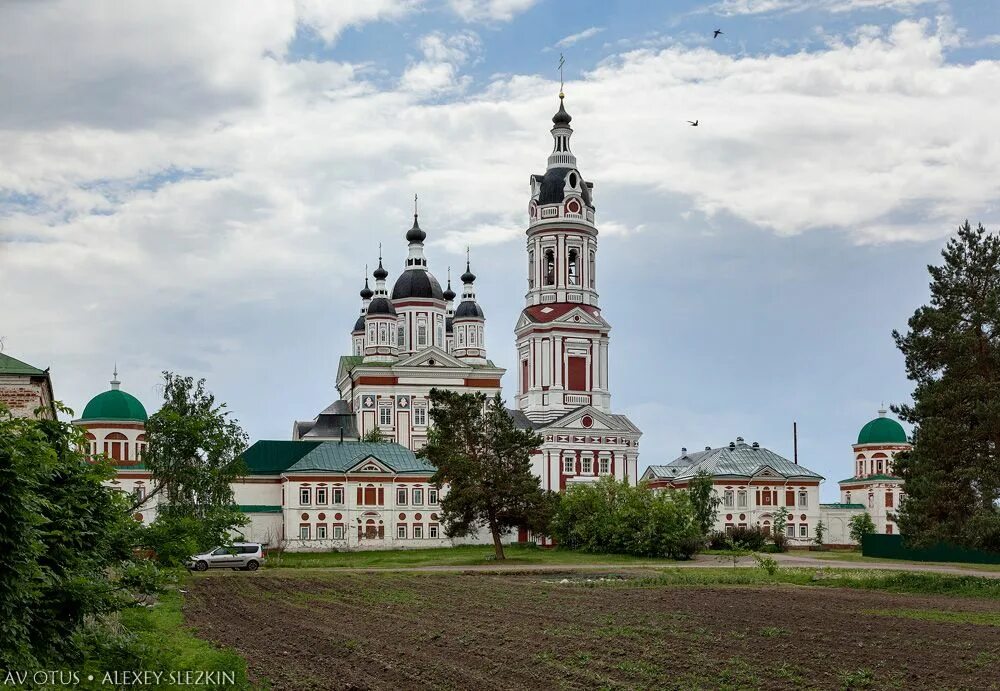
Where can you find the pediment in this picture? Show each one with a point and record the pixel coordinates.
(431, 357)
(578, 316)
(768, 472)
(575, 419)
(370, 465)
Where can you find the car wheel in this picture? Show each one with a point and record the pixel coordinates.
(202, 565)
(252, 565)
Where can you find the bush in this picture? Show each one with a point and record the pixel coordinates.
(780, 541)
(614, 517)
(750, 538)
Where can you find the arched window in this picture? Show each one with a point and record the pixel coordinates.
(550, 267)
(140, 447)
(371, 334)
(847, 497)
(593, 269)
(401, 335)
(439, 331)
(91, 448)
(573, 267)
(421, 333)
(461, 336)
(383, 334)
(472, 336)
(531, 269)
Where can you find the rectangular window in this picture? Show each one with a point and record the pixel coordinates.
(384, 415)
(139, 493)
(338, 495)
(741, 498)
(524, 376)
(803, 530)
(432, 496)
(888, 529)
(321, 531)
(765, 497)
(401, 496)
(588, 465)
(790, 497)
(418, 532)
(304, 496)
(605, 466)
(418, 496)
(401, 531)
(420, 416)
(888, 499)
(338, 532)
(304, 531)
(730, 527)
(321, 494)
(803, 499)
(727, 498)
(576, 368)
(370, 496)
(790, 530)
(567, 465)
(432, 531)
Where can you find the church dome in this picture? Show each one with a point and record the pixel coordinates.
(381, 306)
(882, 430)
(469, 309)
(417, 283)
(561, 117)
(115, 405)
(359, 325)
(553, 186)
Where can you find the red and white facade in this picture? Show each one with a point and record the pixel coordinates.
(563, 391)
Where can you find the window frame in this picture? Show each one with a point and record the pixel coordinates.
(417, 496)
(321, 531)
(569, 465)
(305, 496)
(401, 492)
(803, 496)
(322, 496)
(335, 491)
(338, 528)
(305, 531)
(418, 531)
(401, 531)
(432, 496)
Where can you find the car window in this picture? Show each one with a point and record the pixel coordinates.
(249, 549)
(220, 551)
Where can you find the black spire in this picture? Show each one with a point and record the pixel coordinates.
(468, 276)
(449, 294)
(561, 117)
(415, 234)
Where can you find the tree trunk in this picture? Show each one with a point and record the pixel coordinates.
(497, 544)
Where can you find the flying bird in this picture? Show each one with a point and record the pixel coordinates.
(716, 33)
(693, 123)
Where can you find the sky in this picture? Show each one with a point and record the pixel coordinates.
(197, 187)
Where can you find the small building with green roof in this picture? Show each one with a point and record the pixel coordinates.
(25, 389)
(873, 485)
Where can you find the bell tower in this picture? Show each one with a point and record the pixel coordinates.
(562, 339)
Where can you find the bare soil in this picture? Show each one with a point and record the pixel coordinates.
(528, 631)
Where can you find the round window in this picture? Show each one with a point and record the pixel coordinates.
(587, 421)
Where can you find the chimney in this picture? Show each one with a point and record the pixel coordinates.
(684, 451)
(341, 434)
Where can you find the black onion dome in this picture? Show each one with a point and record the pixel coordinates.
(449, 294)
(415, 234)
(469, 309)
(417, 283)
(562, 117)
(366, 292)
(468, 276)
(554, 182)
(359, 325)
(380, 273)
(381, 306)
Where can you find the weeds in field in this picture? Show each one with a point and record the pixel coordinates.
(789, 672)
(774, 632)
(857, 679)
(638, 668)
(950, 617)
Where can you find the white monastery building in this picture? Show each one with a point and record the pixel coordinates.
(350, 479)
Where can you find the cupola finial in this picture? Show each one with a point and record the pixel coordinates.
(115, 384)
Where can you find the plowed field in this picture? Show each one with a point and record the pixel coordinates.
(481, 631)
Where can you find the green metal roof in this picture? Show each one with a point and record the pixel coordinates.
(739, 460)
(870, 477)
(839, 505)
(882, 430)
(274, 457)
(259, 508)
(349, 362)
(115, 405)
(9, 365)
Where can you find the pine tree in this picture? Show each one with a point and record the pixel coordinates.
(952, 350)
(486, 463)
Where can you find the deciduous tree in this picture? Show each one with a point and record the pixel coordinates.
(193, 454)
(486, 463)
(952, 351)
(860, 526)
(705, 501)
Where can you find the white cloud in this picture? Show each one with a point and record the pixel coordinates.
(328, 19)
(573, 39)
(751, 7)
(490, 10)
(190, 196)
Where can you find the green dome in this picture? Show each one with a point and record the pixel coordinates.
(882, 430)
(115, 405)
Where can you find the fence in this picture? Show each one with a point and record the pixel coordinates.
(892, 547)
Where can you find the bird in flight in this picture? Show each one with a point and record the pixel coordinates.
(716, 33)
(693, 123)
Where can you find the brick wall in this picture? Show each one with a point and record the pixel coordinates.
(24, 394)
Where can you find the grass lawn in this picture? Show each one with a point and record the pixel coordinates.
(463, 555)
